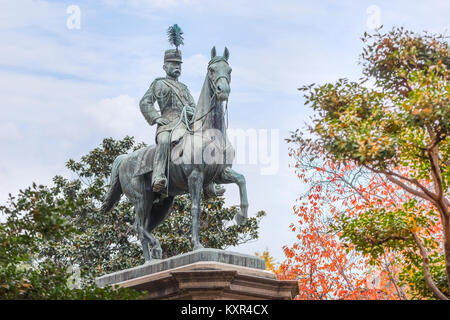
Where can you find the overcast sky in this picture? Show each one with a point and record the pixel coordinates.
(67, 84)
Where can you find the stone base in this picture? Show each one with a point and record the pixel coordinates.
(206, 274)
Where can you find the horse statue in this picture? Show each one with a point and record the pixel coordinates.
(200, 156)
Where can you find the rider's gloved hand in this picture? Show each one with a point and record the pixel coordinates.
(190, 111)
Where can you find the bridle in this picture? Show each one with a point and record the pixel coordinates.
(213, 85)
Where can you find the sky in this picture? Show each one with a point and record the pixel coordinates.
(73, 72)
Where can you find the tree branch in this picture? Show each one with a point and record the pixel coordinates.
(414, 182)
(436, 174)
(426, 195)
(426, 269)
(393, 278)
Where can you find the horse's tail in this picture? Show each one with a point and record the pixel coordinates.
(115, 190)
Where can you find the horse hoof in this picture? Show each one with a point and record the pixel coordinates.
(219, 190)
(198, 247)
(240, 219)
(157, 253)
(152, 261)
(213, 190)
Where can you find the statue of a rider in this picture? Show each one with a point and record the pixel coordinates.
(172, 97)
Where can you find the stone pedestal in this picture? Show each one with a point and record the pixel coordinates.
(206, 274)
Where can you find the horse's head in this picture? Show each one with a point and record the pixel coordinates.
(219, 74)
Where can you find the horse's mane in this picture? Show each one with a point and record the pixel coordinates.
(204, 99)
(207, 102)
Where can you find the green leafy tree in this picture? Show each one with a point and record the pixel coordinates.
(397, 127)
(216, 229)
(104, 243)
(39, 215)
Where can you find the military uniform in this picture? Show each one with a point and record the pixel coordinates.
(171, 96)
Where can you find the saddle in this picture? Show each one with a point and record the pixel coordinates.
(144, 160)
(145, 156)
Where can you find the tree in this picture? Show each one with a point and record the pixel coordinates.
(107, 243)
(334, 207)
(271, 265)
(325, 266)
(36, 216)
(398, 128)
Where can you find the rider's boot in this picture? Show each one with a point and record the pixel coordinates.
(159, 180)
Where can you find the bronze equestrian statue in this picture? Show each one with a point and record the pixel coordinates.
(193, 153)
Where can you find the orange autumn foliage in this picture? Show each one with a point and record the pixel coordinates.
(325, 267)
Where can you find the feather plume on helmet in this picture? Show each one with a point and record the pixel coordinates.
(175, 37)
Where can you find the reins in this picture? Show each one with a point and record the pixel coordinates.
(190, 123)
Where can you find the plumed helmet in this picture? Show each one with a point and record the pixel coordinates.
(172, 55)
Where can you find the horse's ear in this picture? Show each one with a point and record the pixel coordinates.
(213, 52)
(226, 53)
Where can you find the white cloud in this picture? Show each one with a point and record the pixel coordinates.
(116, 115)
(9, 131)
(195, 66)
(84, 57)
(28, 13)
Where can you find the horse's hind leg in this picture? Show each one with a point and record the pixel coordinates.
(195, 184)
(150, 246)
(146, 249)
(155, 218)
(143, 206)
(145, 241)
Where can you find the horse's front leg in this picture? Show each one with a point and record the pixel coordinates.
(195, 184)
(228, 175)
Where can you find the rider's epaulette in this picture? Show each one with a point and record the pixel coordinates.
(157, 79)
